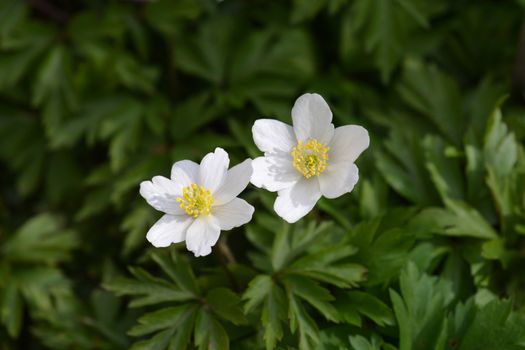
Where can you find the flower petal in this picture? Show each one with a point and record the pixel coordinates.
(312, 118)
(169, 229)
(338, 179)
(186, 172)
(274, 172)
(237, 178)
(233, 214)
(161, 193)
(272, 135)
(295, 202)
(348, 143)
(213, 169)
(202, 235)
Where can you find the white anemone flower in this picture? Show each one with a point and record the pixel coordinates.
(306, 161)
(199, 201)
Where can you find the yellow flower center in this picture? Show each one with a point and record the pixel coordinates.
(311, 158)
(195, 200)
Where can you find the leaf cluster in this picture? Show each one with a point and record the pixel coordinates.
(426, 252)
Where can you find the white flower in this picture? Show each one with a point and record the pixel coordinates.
(307, 160)
(198, 201)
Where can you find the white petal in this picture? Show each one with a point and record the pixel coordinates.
(274, 172)
(186, 172)
(202, 235)
(161, 193)
(295, 202)
(312, 118)
(169, 229)
(338, 179)
(233, 214)
(213, 169)
(237, 178)
(272, 135)
(348, 143)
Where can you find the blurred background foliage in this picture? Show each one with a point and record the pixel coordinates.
(426, 253)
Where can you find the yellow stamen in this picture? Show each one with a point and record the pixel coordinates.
(311, 158)
(195, 200)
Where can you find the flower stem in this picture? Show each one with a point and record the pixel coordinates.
(226, 257)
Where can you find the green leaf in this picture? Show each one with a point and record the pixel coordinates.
(361, 343)
(445, 171)
(281, 249)
(179, 270)
(420, 310)
(323, 266)
(205, 55)
(401, 163)
(351, 304)
(267, 67)
(226, 304)
(167, 17)
(184, 330)
(290, 242)
(257, 291)
(12, 12)
(11, 309)
(158, 342)
(168, 317)
(200, 105)
(495, 327)
(458, 220)
(135, 224)
(273, 314)
(500, 153)
(385, 26)
(313, 293)
(306, 9)
(209, 334)
(41, 239)
(303, 324)
(499, 141)
(384, 244)
(150, 290)
(436, 97)
(53, 88)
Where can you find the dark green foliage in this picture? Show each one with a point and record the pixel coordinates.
(427, 253)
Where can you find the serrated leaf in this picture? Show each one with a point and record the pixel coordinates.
(183, 336)
(226, 304)
(273, 314)
(41, 239)
(257, 291)
(303, 324)
(402, 166)
(168, 317)
(179, 270)
(385, 25)
(458, 220)
(384, 245)
(209, 334)
(158, 342)
(420, 310)
(445, 171)
(313, 293)
(135, 224)
(150, 291)
(493, 327)
(361, 343)
(435, 96)
(351, 304)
